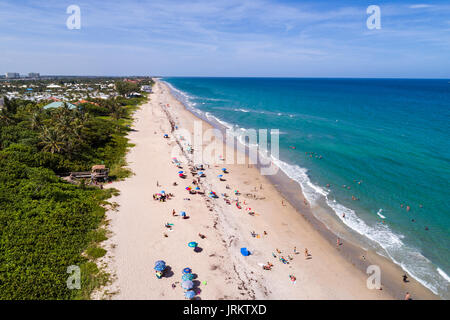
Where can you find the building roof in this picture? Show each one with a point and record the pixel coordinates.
(98, 167)
(58, 104)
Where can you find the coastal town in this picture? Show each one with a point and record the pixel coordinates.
(34, 87)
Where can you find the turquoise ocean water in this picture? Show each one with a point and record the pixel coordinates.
(391, 135)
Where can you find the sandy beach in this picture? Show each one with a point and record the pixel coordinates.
(139, 236)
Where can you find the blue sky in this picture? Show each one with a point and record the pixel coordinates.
(227, 38)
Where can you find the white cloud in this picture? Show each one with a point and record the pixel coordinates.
(420, 6)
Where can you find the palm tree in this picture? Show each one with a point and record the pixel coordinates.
(52, 140)
(35, 120)
(8, 111)
(116, 110)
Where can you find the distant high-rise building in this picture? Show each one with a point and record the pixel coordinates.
(33, 75)
(12, 75)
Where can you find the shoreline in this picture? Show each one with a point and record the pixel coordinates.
(353, 251)
(137, 230)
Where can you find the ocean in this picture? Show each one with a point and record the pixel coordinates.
(377, 150)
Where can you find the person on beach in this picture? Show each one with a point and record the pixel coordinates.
(338, 242)
(306, 253)
(265, 233)
(295, 250)
(173, 213)
(202, 236)
(278, 250)
(405, 278)
(408, 296)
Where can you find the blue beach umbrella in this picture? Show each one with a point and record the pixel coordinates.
(162, 191)
(187, 270)
(245, 252)
(220, 176)
(192, 244)
(224, 169)
(187, 276)
(160, 265)
(200, 173)
(187, 284)
(183, 214)
(180, 172)
(190, 294)
(197, 188)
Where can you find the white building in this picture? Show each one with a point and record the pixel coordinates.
(12, 75)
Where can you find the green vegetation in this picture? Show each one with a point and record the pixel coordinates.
(47, 224)
(124, 87)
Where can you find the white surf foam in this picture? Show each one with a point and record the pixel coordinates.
(380, 215)
(443, 274)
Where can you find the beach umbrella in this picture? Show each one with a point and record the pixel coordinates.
(220, 176)
(180, 172)
(200, 173)
(187, 284)
(162, 191)
(190, 294)
(160, 265)
(188, 188)
(197, 188)
(245, 252)
(224, 169)
(183, 214)
(187, 276)
(187, 270)
(193, 244)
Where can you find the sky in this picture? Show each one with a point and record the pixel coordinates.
(232, 38)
